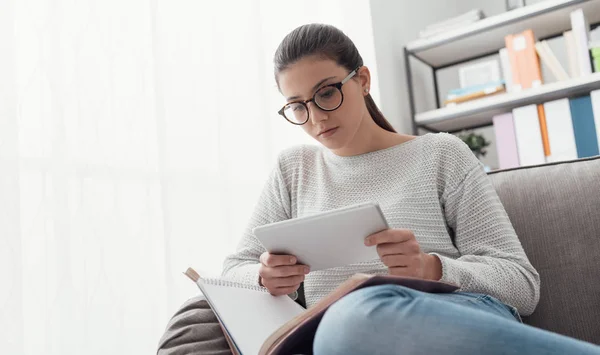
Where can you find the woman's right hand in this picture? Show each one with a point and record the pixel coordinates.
(280, 274)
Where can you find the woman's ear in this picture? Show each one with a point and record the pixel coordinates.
(364, 78)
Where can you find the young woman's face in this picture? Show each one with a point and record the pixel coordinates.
(334, 129)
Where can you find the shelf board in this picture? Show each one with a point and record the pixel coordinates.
(480, 112)
(546, 18)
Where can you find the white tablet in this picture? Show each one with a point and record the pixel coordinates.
(326, 240)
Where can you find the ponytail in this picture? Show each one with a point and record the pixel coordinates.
(377, 115)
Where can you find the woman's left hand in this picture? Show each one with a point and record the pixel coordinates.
(399, 250)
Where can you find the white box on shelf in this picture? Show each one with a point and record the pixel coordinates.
(479, 73)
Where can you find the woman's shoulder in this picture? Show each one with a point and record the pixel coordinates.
(448, 149)
(298, 156)
(453, 159)
(447, 143)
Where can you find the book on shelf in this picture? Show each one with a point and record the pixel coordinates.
(584, 127)
(595, 50)
(528, 135)
(506, 72)
(471, 89)
(580, 29)
(560, 130)
(549, 58)
(574, 71)
(255, 322)
(506, 141)
(524, 62)
(544, 131)
(595, 97)
(476, 92)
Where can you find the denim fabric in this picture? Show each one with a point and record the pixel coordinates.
(390, 319)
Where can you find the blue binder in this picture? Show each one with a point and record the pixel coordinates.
(584, 127)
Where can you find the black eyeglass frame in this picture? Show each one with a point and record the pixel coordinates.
(305, 102)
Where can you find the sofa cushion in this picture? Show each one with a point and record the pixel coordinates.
(555, 210)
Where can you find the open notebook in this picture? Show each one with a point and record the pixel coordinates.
(255, 322)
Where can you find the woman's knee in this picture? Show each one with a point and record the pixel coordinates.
(356, 323)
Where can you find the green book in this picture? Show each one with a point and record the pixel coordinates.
(596, 56)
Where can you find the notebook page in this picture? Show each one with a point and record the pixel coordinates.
(249, 316)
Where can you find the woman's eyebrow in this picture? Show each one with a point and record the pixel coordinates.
(313, 89)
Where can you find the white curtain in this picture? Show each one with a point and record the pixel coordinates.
(135, 137)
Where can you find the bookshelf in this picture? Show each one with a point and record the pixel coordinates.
(547, 19)
(479, 113)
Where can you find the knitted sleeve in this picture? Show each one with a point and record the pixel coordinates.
(493, 261)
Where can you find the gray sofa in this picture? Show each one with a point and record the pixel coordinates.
(555, 209)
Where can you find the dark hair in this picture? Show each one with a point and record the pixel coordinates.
(328, 42)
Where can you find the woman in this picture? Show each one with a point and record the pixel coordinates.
(446, 221)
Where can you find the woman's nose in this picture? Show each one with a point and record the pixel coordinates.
(316, 114)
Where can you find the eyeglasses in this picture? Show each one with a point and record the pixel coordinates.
(328, 98)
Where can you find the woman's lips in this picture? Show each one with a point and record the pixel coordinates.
(329, 132)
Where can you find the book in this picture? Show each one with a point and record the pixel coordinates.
(596, 57)
(524, 62)
(530, 70)
(581, 29)
(560, 130)
(488, 91)
(547, 55)
(454, 93)
(594, 47)
(595, 96)
(584, 127)
(255, 322)
(509, 40)
(506, 72)
(529, 136)
(544, 130)
(572, 54)
(506, 141)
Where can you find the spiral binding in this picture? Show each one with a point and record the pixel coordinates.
(227, 283)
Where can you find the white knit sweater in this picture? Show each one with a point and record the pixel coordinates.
(432, 185)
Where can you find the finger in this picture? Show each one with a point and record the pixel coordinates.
(289, 281)
(283, 291)
(390, 249)
(390, 236)
(273, 260)
(409, 247)
(279, 282)
(283, 271)
(397, 260)
(410, 261)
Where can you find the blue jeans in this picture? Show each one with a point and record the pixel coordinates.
(390, 319)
